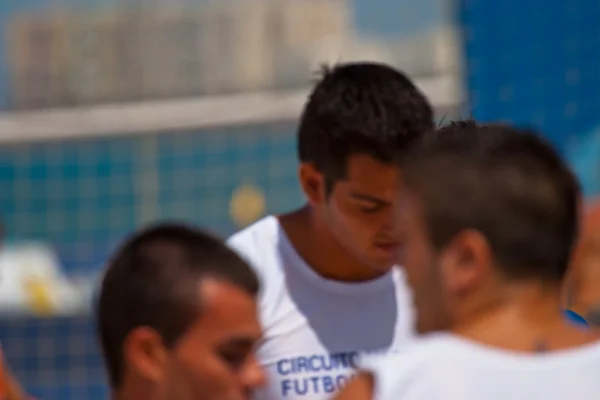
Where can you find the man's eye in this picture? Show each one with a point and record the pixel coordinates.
(235, 359)
(370, 209)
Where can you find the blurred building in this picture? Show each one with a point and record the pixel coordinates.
(305, 34)
(442, 55)
(74, 58)
(77, 58)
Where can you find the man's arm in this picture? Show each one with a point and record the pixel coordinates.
(359, 388)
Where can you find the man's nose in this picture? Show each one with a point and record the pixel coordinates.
(390, 225)
(254, 376)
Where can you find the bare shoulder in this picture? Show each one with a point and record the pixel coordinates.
(359, 388)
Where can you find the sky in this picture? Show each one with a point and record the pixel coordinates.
(391, 18)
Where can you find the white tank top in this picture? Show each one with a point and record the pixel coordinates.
(446, 367)
(315, 329)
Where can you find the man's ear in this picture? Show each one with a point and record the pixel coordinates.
(313, 183)
(145, 354)
(466, 259)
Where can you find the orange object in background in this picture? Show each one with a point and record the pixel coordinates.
(10, 389)
(583, 281)
(4, 384)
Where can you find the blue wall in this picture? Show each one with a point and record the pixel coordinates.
(537, 63)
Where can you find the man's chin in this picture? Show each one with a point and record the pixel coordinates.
(382, 266)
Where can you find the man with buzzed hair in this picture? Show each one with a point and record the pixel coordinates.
(490, 216)
(177, 318)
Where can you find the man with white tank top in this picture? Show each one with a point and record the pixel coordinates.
(329, 292)
(486, 268)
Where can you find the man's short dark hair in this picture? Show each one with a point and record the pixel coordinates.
(361, 108)
(153, 281)
(507, 183)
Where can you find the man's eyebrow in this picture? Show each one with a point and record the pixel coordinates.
(240, 342)
(366, 197)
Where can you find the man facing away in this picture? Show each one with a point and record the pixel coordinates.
(177, 318)
(490, 217)
(329, 291)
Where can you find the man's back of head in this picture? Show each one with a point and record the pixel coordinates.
(507, 183)
(499, 197)
(166, 295)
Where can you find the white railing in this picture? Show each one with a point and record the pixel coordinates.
(181, 114)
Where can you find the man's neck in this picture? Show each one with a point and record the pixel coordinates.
(130, 393)
(519, 318)
(318, 247)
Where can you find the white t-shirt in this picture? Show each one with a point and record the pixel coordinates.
(447, 367)
(316, 328)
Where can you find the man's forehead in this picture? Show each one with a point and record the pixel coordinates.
(227, 306)
(366, 166)
(376, 182)
(217, 293)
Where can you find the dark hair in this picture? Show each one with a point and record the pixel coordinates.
(153, 281)
(507, 183)
(361, 108)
